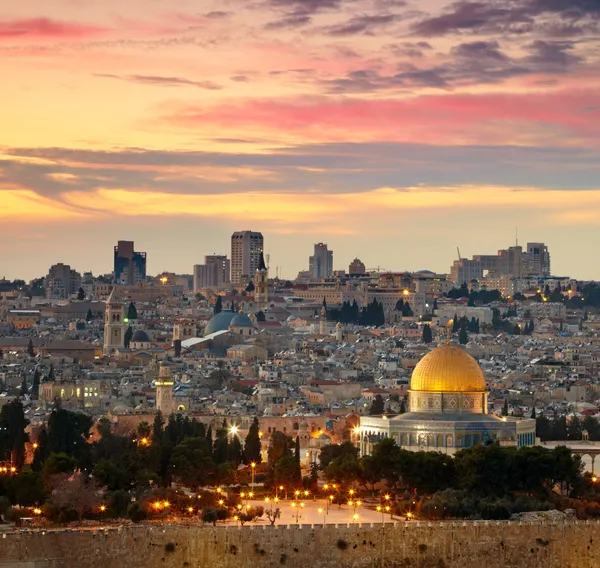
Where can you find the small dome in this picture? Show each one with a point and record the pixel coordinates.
(140, 336)
(219, 322)
(241, 320)
(448, 369)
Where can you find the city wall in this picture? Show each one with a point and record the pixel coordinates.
(483, 544)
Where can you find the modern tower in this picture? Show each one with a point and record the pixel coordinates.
(214, 272)
(261, 284)
(246, 248)
(320, 265)
(130, 266)
(114, 326)
(164, 390)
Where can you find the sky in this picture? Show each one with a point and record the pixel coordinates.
(392, 130)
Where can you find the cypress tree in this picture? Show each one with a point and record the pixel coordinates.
(297, 449)
(30, 350)
(127, 337)
(252, 444)
(218, 305)
(427, 335)
(463, 336)
(132, 312)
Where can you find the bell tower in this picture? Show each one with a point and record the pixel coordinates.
(114, 326)
(261, 292)
(164, 390)
(323, 319)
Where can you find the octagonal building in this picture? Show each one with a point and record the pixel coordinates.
(447, 410)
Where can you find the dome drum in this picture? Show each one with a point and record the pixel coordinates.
(420, 401)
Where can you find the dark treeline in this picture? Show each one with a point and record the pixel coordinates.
(372, 314)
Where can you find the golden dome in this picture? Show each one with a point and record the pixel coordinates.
(448, 369)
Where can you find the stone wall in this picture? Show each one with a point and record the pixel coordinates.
(574, 544)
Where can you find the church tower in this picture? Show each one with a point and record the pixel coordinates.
(261, 290)
(164, 390)
(114, 327)
(4, 309)
(323, 319)
(339, 332)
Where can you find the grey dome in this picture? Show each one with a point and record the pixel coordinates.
(140, 336)
(241, 320)
(219, 322)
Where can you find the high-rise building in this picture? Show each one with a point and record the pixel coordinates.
(320, 265)
(513, 261)
(62, 281)
(130, 266)
(539, 259)
(246, 247)
(213, 273)
(357, 267)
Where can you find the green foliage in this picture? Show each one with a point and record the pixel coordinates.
(373, 314)
(252, 445)
(12, 432)
(192, 463)
(463, 336)
(287, 472)
(427, 335)
(260, 316)
(218, 305)
(132, 312)
(81, 294)
(127, 337)
(377, 406)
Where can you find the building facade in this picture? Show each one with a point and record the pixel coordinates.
(129, 266)
(246, 247)
(448, 410)
(62, 282)
(320, 264)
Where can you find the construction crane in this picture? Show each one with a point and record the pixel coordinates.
(458, 251)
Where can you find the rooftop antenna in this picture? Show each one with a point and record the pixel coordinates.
(517, 236)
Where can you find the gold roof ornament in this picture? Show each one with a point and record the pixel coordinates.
(448, 369)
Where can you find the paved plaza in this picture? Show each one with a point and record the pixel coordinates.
(309, 514)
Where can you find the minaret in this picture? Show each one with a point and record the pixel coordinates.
(323, 319)
(164, 390)
(339, 332)
(114, 331)
(261, 285)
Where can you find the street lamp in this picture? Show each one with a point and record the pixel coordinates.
(297, 506)
(322, 511)
(253, 466)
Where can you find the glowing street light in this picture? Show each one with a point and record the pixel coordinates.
(253, 466)
(233, 430)
(322, 511)
(37, 511)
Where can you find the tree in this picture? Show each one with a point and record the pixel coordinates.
(297, 449)
(218, 305)
(89, 316)
(4, 506)
(505, 407)
(377, 406)
(533, 415)
(41, 451)
(279, 447)
(35, 386)
(51, 372)
(12, 432)
(132, 312)
(30, 350)
(81, 294)
(287, 472)
(109, 474)
(427, 335)
(260, 316)
(463, 336)
(252, 446)
(24, 388)
(273, 515)
(192, 463)
(76, 494)
(127, 337)
(250, 288)
(543, 428)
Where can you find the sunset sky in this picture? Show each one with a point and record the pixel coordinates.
(393, 131)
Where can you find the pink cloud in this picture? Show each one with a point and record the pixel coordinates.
(45, 28)
(450, 118)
